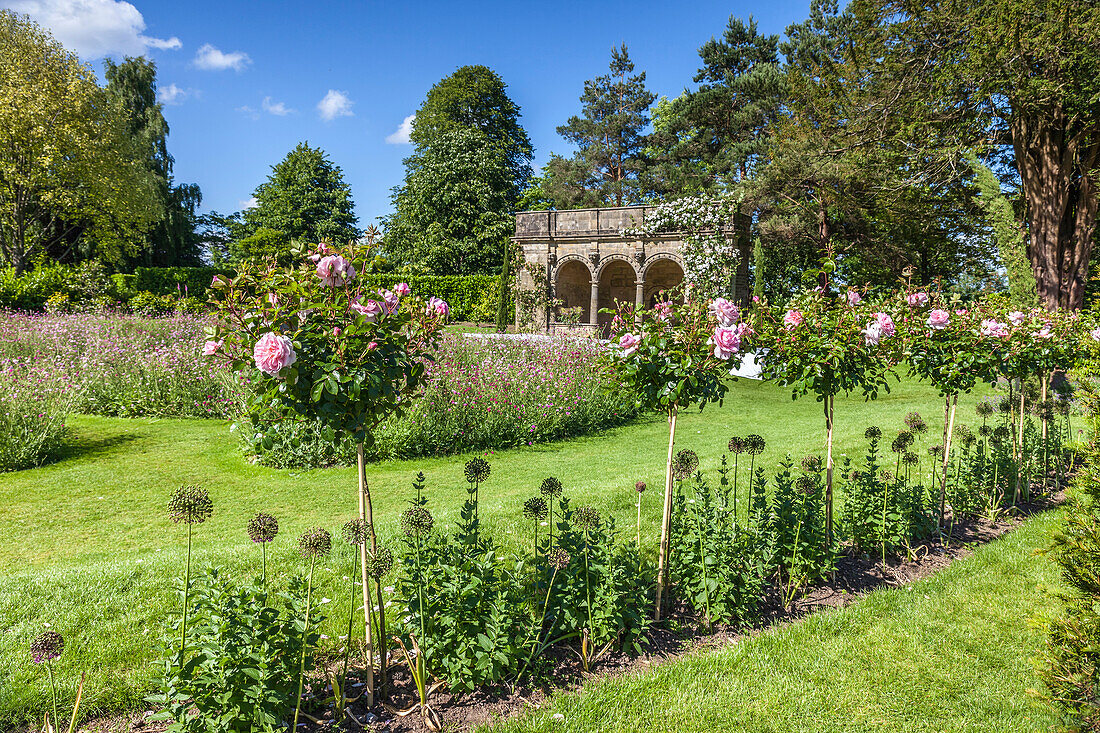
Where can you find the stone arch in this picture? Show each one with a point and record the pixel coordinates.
(662, 272)
(573, 284)
(617, 281)
(607, 260)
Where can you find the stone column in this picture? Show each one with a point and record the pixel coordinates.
(639, 294)
(594, 303)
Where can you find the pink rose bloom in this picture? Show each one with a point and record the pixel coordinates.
(792, 320)
(726, 342)
(1016, 317)
(663, 309)
(402, 289)
(938, 319)
(336, 331)
(744, 329)
(994, 328)
(273, 353)
(438, 307)
(725, 312)
(878, 329)
(371, 310)
(389, 300)
(886, 322)
(917, 300)
(372, 346)
(334, 271)
(212, 347)
(756, 299)
(1095, 333)
(1044, 332)
(854, 298)
(628, 342)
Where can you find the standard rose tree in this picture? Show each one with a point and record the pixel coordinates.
(323, 348)
(827, 344)
(676, 355)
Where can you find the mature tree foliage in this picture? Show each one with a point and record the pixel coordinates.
(841, 178)
(172, 239)
(1020, 73)
(609, 167)
(69, 169)
(1009, 234)
(305, 198)
(453, 214)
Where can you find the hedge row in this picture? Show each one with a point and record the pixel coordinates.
(471, 297)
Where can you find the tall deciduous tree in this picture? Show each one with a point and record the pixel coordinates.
(610, 165)
(172, 240)
(68, 166)
(1022, 74)
(453, 214)
(305, 198)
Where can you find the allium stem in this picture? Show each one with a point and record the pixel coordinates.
(347, 646)
(263, 550)
(305, 640)
(53, 694)
(186, 595)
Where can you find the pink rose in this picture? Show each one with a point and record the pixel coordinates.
(1095, 334)
(878, 329)
(663, 309)
(854, 298)
(886, 323)
(756, 299)
(628, 342)
(371, 310)
(336, 331)
(726, 342)
(402, 289)
(917, 300)
(372, 346)
(996, 329)
(273, 353)
(1016, 317)
(212, 347)
(334, 271)
(438, 307)
(1044, 332)
(725, 312)
(938, 319)
(792, 319)
(744, 329)
(390, 300)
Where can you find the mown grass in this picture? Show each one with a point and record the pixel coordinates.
(949, 653)
(87, 547)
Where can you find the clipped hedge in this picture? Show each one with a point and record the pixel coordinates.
(471, 297)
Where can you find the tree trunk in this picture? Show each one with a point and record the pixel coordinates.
(828, 470)
(666, 517)
(948, 428)
(1055, 163)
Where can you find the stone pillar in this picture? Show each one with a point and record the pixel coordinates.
(594, 303)
(639, 294)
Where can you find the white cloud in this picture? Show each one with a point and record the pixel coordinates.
(278, 109)
(248, 203)
(249, 112)
(335, 104)
(93, 28)
(172, 94)
(210, 58)
(401, 136)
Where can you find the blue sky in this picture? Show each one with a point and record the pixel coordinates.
(243, 82)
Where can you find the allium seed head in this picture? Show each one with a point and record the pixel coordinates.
(356, 531)
(872, 433)
(1001, 434)
(379, 564)
(587, 517)
(685, 463)
(263, 528)
(737, 444)
(550, 487)
(558, 558)
(476, 470)
(315, 543)
(416, 521)
(936, 451)
(190, 505)
(964, 434)
(985, 431)
(811, 464)
(916, 423)
(906, 438)
(535, 508)
(806, 483)
(47, 646)
(639, 486)
(1005, 405)
(755, 444)
(898, 445)
(984, 408)
(910, 458)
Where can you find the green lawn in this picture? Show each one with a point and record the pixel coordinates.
(949, 653)
(87, 547)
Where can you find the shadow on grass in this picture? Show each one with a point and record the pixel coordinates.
(91, 446)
